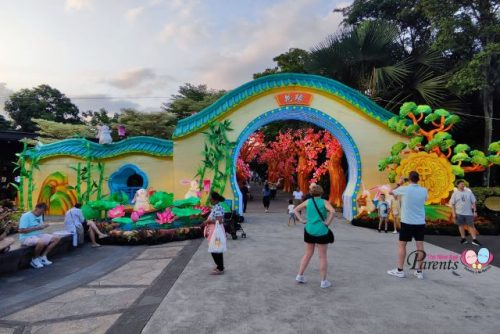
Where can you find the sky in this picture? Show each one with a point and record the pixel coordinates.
(116, 54)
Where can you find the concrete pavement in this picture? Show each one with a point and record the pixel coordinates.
(258, 293)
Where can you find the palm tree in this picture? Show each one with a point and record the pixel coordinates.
(369, 57)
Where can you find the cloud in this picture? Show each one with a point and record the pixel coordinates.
(132, 78)
(142, 81)
(281, 27)
(132, 14)
(78, 4)
(98, 101)
(187, 25)
(4, 94)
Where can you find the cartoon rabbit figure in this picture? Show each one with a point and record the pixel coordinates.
(141, 200)
(193, 191)
(104, 134)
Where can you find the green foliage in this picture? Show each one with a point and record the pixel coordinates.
(494, 159)
(190, 100)
(161, 200)
(51, 131)
(430, 118)
(482, 193)
(452, 119)
(412, 129)
(42, 102)
(185, 212)
(100, 117)
(406, 108)
(392, 176)
(103, 205)
(423, 109)
(461, 148)
(90, 213)
(191, 201)
(120, 197)
(397, 148)
(494, 147)
(462, 156)
(5, 124)
(415, 141)
(292, 61)
(457, 171)
(156, 124)
(442, 112)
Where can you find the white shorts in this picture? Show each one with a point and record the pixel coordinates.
(32, 241)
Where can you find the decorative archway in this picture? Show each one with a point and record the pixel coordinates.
(316, 117)
(121, 180)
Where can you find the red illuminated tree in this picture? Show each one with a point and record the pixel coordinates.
(332, 165)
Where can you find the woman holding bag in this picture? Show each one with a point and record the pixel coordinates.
(214, 232)
(316, 232)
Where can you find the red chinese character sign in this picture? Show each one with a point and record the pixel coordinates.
(294, 99)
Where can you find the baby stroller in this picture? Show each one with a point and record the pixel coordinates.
(232, 224)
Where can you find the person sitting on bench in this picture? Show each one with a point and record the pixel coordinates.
(31, 225)
(74, 224)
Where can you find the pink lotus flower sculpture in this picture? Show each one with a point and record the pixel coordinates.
(166, 217)
(117, 212)
(204, 209)
(136, 215)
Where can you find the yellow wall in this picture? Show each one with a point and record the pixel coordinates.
(158, 170)
(374, 139)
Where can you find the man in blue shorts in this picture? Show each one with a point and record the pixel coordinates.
(413, 198)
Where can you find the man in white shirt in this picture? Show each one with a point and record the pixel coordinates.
(463, 209)
(297, 196)
(413, 198)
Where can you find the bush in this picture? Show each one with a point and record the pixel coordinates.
(481, 194)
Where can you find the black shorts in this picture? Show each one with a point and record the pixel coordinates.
(409, 231)
(321, 240)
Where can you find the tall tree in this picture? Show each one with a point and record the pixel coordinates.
(5, 124)
(292, 61)
(368, 57)
(42, 102)
(414, 28)
(100, 117)
(157, 124)
(191, 99)
(468, 33)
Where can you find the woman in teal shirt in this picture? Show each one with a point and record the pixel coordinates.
(316, 232)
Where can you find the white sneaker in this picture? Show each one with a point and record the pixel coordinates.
(325, 284)
(45, 261)
(395, 232)
(419, 275)
(300, 279)
(396, 272)
(36, 263)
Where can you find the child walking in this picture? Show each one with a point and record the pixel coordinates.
(291, 214)
(383, 212)
(216, 215)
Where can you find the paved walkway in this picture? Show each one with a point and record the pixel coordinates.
(258, 293)
(113, 289)
(167, 289)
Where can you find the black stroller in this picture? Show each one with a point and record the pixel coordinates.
(232, 224)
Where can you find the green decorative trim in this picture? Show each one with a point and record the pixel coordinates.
(293, 80)
(78, 148)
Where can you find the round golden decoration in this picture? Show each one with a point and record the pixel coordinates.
(435, 174)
